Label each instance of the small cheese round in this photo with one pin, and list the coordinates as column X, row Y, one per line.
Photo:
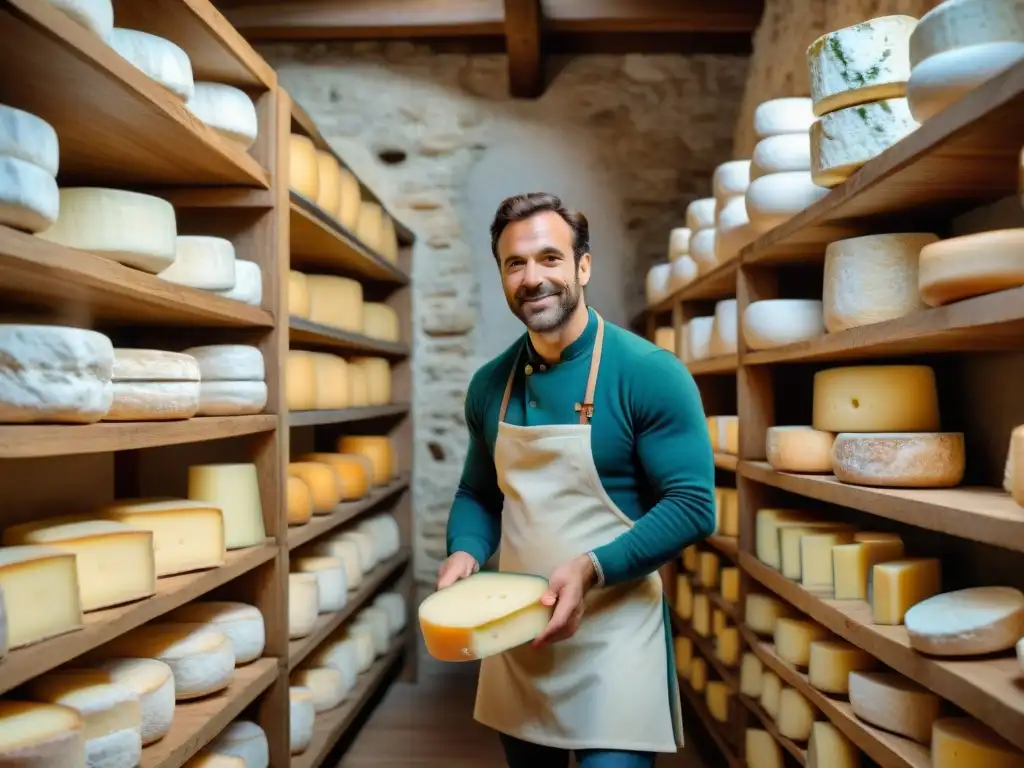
column 299, row 500
column 24, row 136
column 968, row 622
column 394, row 604
column 248, row 284
column 153, row 683
column 796, row 715
column 298, row 294
column 777, row 322
column 154, row 365
column 656, row 288
column 231, row 398
column 229, row 362
column 724, row 329
column 345, row 550
column 303, row 604
column 781, row 116
column 339, row 653
column 730, row 179
column 700, row 214
column 900, row 460
column 684, row 271
column 95, row 15
column 379, row 622
column 965, row 23
column 831, row 662
column 241, row 622
column 778, row 154
column 328, row 195
column 964, row 741
column 35, row 734
column 762, row 744
column 945, row 78
column 733, row 229
column 972, row 265
column 799, row 449
column 828, row 747
column 328, row 686
column 678, row 241
column 227, row 110
column 332, row 588
column 751, row 675
column 776, row 198
column 206, row 263
column 698, row 338
column 301, row 714
column 876, row 398
column 29, row 198
column 159, row 59
column 153, row 401
column 245, row 740
column 702, row 250
column 361, row 636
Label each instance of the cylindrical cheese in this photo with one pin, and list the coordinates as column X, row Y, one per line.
column 700, row 214
column 781, row 116
column 303, row 169
column 336, row 302
column 767, row 750
column 828, row 747
column 378, row 378
column 243, row 740
column 723, row 329
column 943, row 79
column 895, row 704
column 301, row 714
column 965, row 23
column 380, row 322
column 153, row 683
column 358, row 387
column 299, row 501
column 793, row 638
column 241, row 622
column 352, row 472
column 968, row 622
column 678, row 243
column 751, row 674
column 298, row 294
column 328, row 195
column 973, row 265
column 656, row 285
column 206, row 263
column 698, row 338
column 831, row 662
column 378, row 449
column 776, row 198
column 300, row 381
column 303, row 604
column 900, row 460
column 235, row 489
column 702, row 249
column 799, row 449
column 322, row 482
column 771, row 687
column 778, row 322
column 778, row 154
column 683, row 272
column 796, row 715
column 964, row 741
column 876, row 398
column 328, row 686
column 730, row 179
column 331, row 585
column 351, row 200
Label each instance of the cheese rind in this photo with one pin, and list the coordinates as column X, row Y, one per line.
column 762, row 613
column 898, row 585
column 751, row 673
column 301, row 715
column 972, row 265
column 698, row 338
column 153, row 682
column 852, row 564
column 828, row 747
column 231, row 398
column 761, row 749
column 299, row 500
column 777, row 322
column 800, row 449
column 234, row 488
column 153, row 365
column 781, row 116
column 352, row 472
column 876, row 398
column 25, row 136
column 303, row 604
column 229, row 362
column 31, row 576
column 945, row 78
column 227, row 110
column 242, row 739
column 831, row 662
column 900, row 460
column 793, row 638
column 159, row 59
column 29, row 197
column 963, row 24
column 45, row 735
column 964, row 741
column 153, row 400
column 733, row 229
column 700, row 214
column 776, row 198
column 893, row 703
column 778, row 154
column 205, row 263
column 248, row 284
column 240, row 622
column 968, row 622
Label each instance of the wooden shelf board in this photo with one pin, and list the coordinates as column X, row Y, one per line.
column 116, row 125
column 197, row 723
column 886, row 749
column 726, row 461
column 346, row 415
column 37, row 272
column 301, row 331
column 343, row 513
column 720, row 283
column 964, row 156
column 799, row 753
column 729, row 609
column 988, row 689
column 330, row 726
column 714, row 365
column 326, row 623
column 727, row 545
column 103, row 626
column 319, row 242
column 712, row 726
column 988, row 515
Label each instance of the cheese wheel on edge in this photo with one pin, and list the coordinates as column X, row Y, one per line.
column 893, row 703
column 781, row 116
column 41, row 734
column 241, row 622
column 153, row 683
column 160, row 60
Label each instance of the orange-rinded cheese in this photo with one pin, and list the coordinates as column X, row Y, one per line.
column 336, row 302
column 300, row 501
column 369, row 224
column 300, row 381
column 378, row 449
column 351, row 200
column 358, row 386
column 330, row 372
column 303, row 173
column 483, row 615
column 322, row 481
column 352, row 471
column 378, row 378
column 328, row 194
column 380, row 321
column 298, row 294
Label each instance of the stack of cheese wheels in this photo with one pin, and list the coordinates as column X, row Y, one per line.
column 957, row 46
column 665, row 337
column 971, row 265
column 683, row 269
column 697, row 339
column 723, row 329
column 780, row 178
column 240, row 622
column 159, row 59
column 329, row 686
column 353, row 473
column 318, row 176
column 233, row 379
column 227, row 110
column 656, row 287
column 732, row 226
column 154, row 385
column 347, row 550
column 700, row 220
column 234, row 488
column 777, row 322
column 378, row 449
column 331, row 582
column 206, row 263
column 859, row 84
column 380, row 322
column 887, row 419
column 29, row 159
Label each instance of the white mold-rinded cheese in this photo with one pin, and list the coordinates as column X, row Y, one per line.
column 751, row 673
column 867, row 62
column 328, row 686
column 733, row 229
column 968, row 622
column 241, row 622
column 243, row 739
column 900, row 460
column 388, row 532
column 301, row 714
column 832, row 661
column 111, row 713
column 54, row 374
column 207, row 263
column 33, row 576
column 229, row 362
column 393, row 603
column 761, row 749
column 29, row 198
column 730, row 179
column 793, row 638
column 130, row 228
column 340, row 653
column 841, row 142
column 37, row 735
column 776, row 198
column 964, row 741
column 771, row 687
column 872, row 279
column 698, row 338
column 95, row 15
column 153, row 365
column 972, row 265
column 153, row 401
column 345, row 550
column 303, row 604
column 227, row 110
column 159, row 59
column 153, row 682
column 876, row 398
column 702, row 249
column 762, row 613
column 683, row 272
column 24, row 136
column 966, row 23
column 945, row 78
column 678, row 238
column 378, row 620
column 700, row 214
column 303, row 168
column 796, row 715
column 829, row 748
column 799, row 449
column 724, row 328
column 778, row 154
column 235, row 489
column 328, row 195
column 332, row 587
column 248, row 284
column 781, row 116
column 231, row 398
column 777, row 322
column 362, row 640
column 656, row 288
column 893, row 703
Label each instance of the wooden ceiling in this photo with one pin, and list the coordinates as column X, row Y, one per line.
column 526, row 29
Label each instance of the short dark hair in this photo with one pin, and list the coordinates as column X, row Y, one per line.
column 520, row 207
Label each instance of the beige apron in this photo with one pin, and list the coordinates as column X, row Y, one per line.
column 607, row 687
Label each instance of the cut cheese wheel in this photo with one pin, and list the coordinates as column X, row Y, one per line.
column 322, row 481
column 154, row 365
column 872, row 279
column 799, row 449
column 763, row 612
column 762, row 751
column 153, row 682
column 781, row 116
column 229, row 362
column 832, row 661
column 328, row 195
column 328, row 686
column 771, row 687
column 336, row 302
column 303, row 168
column 900, row 460
column 248, row 284
column 378, row 378
column 301, row 714
column 231, row 398
column 876, row 398
column 829, row 748
column 796, row 715
column 943, row 79
column 698, row 338
column 700, row 214
column 657, row 282
column 816, row 558
column 244, row 740
column 973, row 265
column 730, row 179
column 843, row 141
column 482, row 615
column 777, row 322
column 43, row 735
column 718, row 697
column 852, row 565
column 115, row 562
column 868, row 62
column 299, row 500
column 153, row 400
column 964, row 741
column 34, row 576
column 898, row 585
column 351, row 200
column 303, row 604
column 678, row 238
column 965, row 23
column 793, row 638
column 29, row 198
column 380, row 322
column 187, row 535
column 684, row 271
column 778, row 154
column 241, row 622
column 724, row 329
column 791, row 536
column 968, row 622
column 95, row 15
column 235, row 489
column 683, row 653
column 698, row 674
column 767, row 523
column 893, row 703
column 776, row 198
column 332, row 587
column 201, row 657
column 352, row 472
column 340, row 653
column 159, row 59
column 227, row 110
column 24, row 136
column 378, row 449
column 751, row 672
column 130, row 228
column 300, row 381
column 298, row 294
column 703, row 249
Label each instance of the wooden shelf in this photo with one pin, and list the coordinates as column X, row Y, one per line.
column 712, row 726
column 346, row 415
column 705, row 647
column 980, row 514
column 987, row 689
column 103, row 626
column 729, row 609
column 726, row 545
column 714, row 366
column 726, row 461
column 306, row 333
column 344, row 513
column 799, row 754
column 720, row 283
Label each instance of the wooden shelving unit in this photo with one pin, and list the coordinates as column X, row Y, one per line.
column 963, row 158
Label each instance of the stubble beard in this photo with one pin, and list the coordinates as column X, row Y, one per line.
column 553, row 317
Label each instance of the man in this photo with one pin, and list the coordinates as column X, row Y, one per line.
column 594, row 481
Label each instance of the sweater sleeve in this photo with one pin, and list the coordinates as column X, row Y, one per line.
column 674, row 452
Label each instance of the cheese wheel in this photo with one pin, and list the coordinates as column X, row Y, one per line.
column 333, row 390
column 730, row 179
column 963, row 24
column 657, row 282
column 336, row 302
column 207, row 759
column 771, row 688
column 29, row 198
column 95, row 15
column 393, row 604
column 702, row 249
column 683, row 272
column 229, row 362
column 793, row 638
column 678, row 239
column 876, row 398
column 893, row 703
column 384, row 531
column 700, row 214
column 781, row 116
column 761, row 749
column 377, row 619
column 799, row 449
column 733, row 230
column 328, row 686
column 339, row 653
column 227, row 110
column 154, row 365
column 358, row 387
column 159, row 59
column 778, row 322
column 328, row 195
column 347, row 552
column 364, row 543
column 153, row 400
column 301, row 714
column 683, row 653
column 231, row 398
column 368, row 224
column 243, row 740
column 388, row 239
column 832, row 661
column 972, row 265
column 240, row 622
column 960, row 741
column 778, row 154
column 378, row 449
column 153, row 682
column 762, row 613
column 235, row 489
column 45, row 735
column 299, row 501
column 776, row 198
column 724, row 328
column 351, row 200
column 300, row 381
column 303, row 604
column 829, row 748
column 298, row 294
column 751, row 672
column 380, row 322
column 900, row 460
column 796, row 715
column 322, row 482
column 29, row 138
column 728, row 507
column 361, row 637
column 352, row 472
column 303, row 168
column 248, row 284
column 698, row 338
column 331, row 586
column 968, row 622
column 943, row 79
column 378, row 378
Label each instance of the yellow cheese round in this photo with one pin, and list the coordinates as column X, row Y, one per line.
column 718, row 696
column 369, row 223
column 761, row 749
column 829, row 748
column 900, row 460
column 698, row 674
column 352, row 471
column 358, row 386
column 351, row 200
column 298, row 295
column 378, row 449
column 380, row 322
column 388, row 239
column 300, row 381
column 303, row 169
column 799, row 449
column 973, row 265
column 771, row 687
column 751, row 675
column 336, row 302
column 876, row 398
column 958, row 742
column 299, row 501
column 330, row 372
column 832, row 661
column 683, row 652
column 796, row 715
column 322, row 481
column 378, row 378
column 329, row 177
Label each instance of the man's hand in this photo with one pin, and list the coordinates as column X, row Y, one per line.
column 566, row 588
column 458, row 566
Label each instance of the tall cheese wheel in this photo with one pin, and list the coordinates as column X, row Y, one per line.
column 656, row 283
column 328, row 195
column 353, row 472
column 799, row 449
column 303, row 604
column 351, row 199
column 380, row 322
column 298, row 294
column 733, row 229
column 303, row 169
column 333, row 391
column 900, row 460
column 299, row 499
column 358, row 386
column 832, row 661
column 723, row 330
column 378, row 378
column 43, row 735
column 968, row 622
column 301, row 714
column 777, row 117
column 943, row 79
column 322, row 481
column 700, row 214
column 368, row 225
column 973, row 265
column 153, row 682
column 796, row 715
column 336, row 302
column 963, row 24
column 241, row 622
column 895, row 704
column 876, row 398
column 235, row 489
column 378, row 449
column 300, row 381
column 963, row 741
column 683, row 272
column 698, row 338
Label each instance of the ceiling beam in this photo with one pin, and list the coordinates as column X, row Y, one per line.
column 523, row 43
column 660, row 16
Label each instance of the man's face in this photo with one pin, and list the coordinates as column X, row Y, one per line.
column 541, row 281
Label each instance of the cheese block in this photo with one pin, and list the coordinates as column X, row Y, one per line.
column 781, row 116
column 248, row 284
column 843, row 141
column 898, row 585
column 235, row 489
column 771, row 688
column 751, row 674
column 328, row 686
column 358, row 387
column 303, row 604
column 761, row 750
column 333, row 390
column 698, row 674
column 352, row 472
column 698, row 338
column 227, row 110
column 378, row 378
column 777, row 322
column 332, row 588
column 298, row 294
column 730, row 179
column 154, row 365
column 796, row 715
column 852, row 564
column 889, row 701
column 964, row 741
column 298, row 500
column 963, row 24
column 829, row 748
column 876, row 398
column 700, row 214
column 301, row 714
column 380, row 322
column 27, row 137
column 656, row 284
column 872, row 279
column 153, row 682
column 393, row 604
column 701, row 614
column 95, row 15
column 159, row 59
column 115, row 561
column 328, row 194
column 733, row 229
column 832, row 661
column 868, row 62
column 300, row 381
column 730, row 584
column 231, row 398
column 241, row 622
column 766, row 536
column 968, row 622
column 708, row 570
column 684, row 597
column 54, row 374
column 303, row 167
column 816, row 558
column 727, row 646
column 943, row 79
column 483, row 615
column 187, row 535
column 678, row 238
column 336, row 302
column 729, row 507
column 777, row 197
column 44, row 735
column 683, row 653
column 153, row 400
column 229, row 362
column 378, row 449
column 351, row 200
column 322, row 481
column 378, row 621
column 29, row 197
column 972, row 265
column 94, row 219
column 718, row 697
column 34, row 576
column 900, row 460
column 724, row 329
column 791, row 536
column 368, row 224
column 799, row 449
column 778, row 154
column 201, row 657
column 340, row 653
column 703, row 247
column 793, row 638
column 244, row 740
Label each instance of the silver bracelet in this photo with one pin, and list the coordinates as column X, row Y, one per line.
column 597, row 569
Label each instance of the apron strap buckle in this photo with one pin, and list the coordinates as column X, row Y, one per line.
column 587, row 410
